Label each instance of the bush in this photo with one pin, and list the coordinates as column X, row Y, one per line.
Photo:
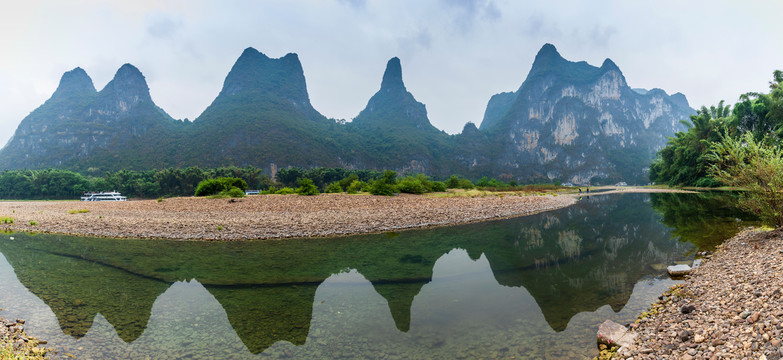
column 438, row 186
column 234, row 192
column 384, row 186
column 270, row 190
column 755, row 167
column 457, row 182
column 411, row 186
column 306, row 187
column 355, row 186
column 285, row 191
column 347, row 181
column 215, row 186
column 334, row 188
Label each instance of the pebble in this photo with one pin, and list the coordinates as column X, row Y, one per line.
column 737, row 290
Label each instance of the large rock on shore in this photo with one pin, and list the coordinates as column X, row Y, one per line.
column 613, row 334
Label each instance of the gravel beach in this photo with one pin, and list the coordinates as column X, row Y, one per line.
column 266, row 216
column 731, row 307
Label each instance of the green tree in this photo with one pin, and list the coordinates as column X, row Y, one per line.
column 307, row 187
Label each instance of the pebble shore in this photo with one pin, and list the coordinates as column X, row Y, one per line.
column 14, row 343
column 266, row 216
column 730, row 307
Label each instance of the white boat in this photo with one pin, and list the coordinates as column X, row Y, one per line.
column 103, row 196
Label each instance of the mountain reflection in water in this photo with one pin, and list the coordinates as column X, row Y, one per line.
column 534, row 286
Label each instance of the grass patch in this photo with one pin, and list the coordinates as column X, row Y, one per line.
column 33, row 222
column 78, row 211
column 6, row 220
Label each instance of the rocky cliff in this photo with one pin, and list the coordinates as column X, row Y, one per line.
column 574, row 122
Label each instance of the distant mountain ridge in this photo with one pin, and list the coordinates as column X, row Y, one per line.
column 568, row 121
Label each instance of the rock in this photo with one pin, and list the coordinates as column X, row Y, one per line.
column 613, row 334
column 683, row 335
column 679, row 270
column 696, row 263
column 745, row 314
column 687, row 309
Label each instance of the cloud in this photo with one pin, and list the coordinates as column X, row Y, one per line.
column 466, row 12
column 356, row 4
column 162, row 25
column 409, row 46
column 600, row 35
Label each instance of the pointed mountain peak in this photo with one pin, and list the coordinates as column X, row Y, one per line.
column 130, row 72
column 392, row 77
column 470, row 129
column 547, row 54
column 251, row 54
column 609, row 65
column 74, row 82
column 129, row 84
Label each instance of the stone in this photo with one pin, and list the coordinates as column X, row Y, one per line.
column 687, row 309
column 683, row 335
column 679, row 270
column 613, row 334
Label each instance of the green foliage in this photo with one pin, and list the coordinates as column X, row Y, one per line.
column 234, row 192
column 687, row 158
column 384, row 186
column 334, row 188
column 458, row 182
column 756, row 167
column 411, row 185
column 78, row 211
column 33, row 222
column 355, row 186
column 286, row 191
column 6, row 220
column 438, row 186
column 306, row 187
column 219, row 185
column 346, row 181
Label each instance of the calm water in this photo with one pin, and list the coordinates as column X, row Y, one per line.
column 532, row 287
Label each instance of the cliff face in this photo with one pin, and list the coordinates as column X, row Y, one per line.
column 579, row 123
column 568, row 121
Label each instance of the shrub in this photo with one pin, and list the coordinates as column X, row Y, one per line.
column 234, row 192
column 285, row 191
column 438, row 186
column 215, row 186
column 756, row 167
column 465, row 184
column 270, row 190
column 411, row 186
column 334, row 188
column 347, row 181
column 6, row 220
column 385, row 185
column 306, row 187
column 457, row 182
column 355, row 186
column 33, row 222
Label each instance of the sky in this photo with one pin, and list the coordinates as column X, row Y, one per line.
column 455, row 54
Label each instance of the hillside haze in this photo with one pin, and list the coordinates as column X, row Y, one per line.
column 568, row 121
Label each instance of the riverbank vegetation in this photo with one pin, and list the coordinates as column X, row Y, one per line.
column 740, row 147
column 54, row 184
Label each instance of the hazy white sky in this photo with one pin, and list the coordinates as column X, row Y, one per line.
column 455, row 53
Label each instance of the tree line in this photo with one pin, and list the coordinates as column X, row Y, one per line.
column 170, row 182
